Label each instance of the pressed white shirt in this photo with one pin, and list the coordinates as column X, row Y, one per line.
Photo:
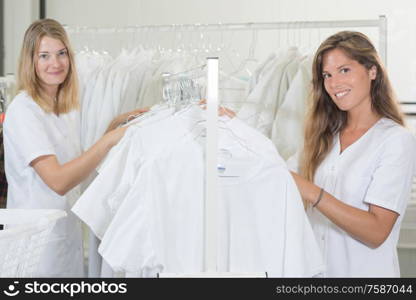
column 377, row 169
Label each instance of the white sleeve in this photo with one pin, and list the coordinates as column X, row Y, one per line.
column 391, row 182
column 26, row 134
column 293, row 162
column 303, row 257
column 95, row 206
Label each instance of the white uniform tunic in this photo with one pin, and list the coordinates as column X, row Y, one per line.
column 29, row 133
column 376, row 169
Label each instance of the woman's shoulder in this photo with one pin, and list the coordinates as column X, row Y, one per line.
column 22, row 108
column 22, row 101
column 394, row 134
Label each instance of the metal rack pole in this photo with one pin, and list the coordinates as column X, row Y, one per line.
column 211, row 176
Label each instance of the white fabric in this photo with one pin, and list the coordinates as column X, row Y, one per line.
column 260, row 71
column 260, row 89
column 232, row 92
column 376, row 169
column 29, row 132
column 114, row 179
column 266, row 97
column 133, row 79
column 287, row 132
column 153, row 221
column 87, row 102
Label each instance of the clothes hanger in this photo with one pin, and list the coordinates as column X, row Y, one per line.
column 244, row 70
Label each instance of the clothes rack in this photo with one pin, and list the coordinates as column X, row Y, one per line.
column 212, row 91
column 380, row 24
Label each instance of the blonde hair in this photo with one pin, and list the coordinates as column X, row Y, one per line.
column 29, row 81
column 324, row 119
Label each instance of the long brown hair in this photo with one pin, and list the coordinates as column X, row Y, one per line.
column 324, row 119
column 28, row 80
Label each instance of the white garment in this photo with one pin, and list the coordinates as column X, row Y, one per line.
column 263, row 102
column 114, row 178
column 287, row 132
column 232, row 92
column 376, row 169
column 260, row 71
column 93, row 114
column 29, row 133
column 87, row 103
column 157, row 209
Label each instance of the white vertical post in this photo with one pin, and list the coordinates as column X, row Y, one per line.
column 211, row 177
column 383, row 39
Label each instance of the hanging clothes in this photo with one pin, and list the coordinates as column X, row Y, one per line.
column 149, row 209
column 267, row 95
column 288, row 125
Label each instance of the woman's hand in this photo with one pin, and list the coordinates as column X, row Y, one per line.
column 371, row 226
column 221, row 109
column 121, row 119
column 114, row 136
column 63, row 177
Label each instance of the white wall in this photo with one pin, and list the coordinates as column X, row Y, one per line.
column 401, row 61
column 17, row 17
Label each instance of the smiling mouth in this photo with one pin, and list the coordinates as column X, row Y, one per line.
column 56, row 73
column 342, row 94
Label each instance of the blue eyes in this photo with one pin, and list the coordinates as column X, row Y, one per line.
column 46, row 56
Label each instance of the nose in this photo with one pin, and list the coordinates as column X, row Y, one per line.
column 55, row 61
column 334, row 81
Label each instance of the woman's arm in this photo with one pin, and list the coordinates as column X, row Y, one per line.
column 117, row 121
column 371, row 227
column 62, row 178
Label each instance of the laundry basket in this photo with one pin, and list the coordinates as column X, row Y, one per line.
column 24, row 238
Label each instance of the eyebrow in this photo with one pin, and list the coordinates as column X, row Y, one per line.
column 339, row 67
column 342, row 66
column 56, row 51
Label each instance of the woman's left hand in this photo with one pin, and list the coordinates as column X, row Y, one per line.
column 123, row 118
column 221, row 109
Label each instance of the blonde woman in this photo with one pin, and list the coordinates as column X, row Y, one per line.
column 43, row 160
column 358, row 160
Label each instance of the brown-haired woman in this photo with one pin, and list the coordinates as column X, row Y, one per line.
column 43, row 158
column 357, row 162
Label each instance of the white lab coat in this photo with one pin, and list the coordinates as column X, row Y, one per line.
column 29, row 133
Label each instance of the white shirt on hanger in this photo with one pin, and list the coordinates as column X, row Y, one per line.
column 115, row 176
column 157, row 225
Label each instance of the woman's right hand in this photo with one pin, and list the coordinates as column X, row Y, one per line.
column 115, row 135
column 123, row 118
